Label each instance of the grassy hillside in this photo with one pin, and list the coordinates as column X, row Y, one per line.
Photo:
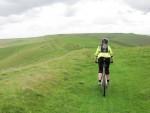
column 57, row 74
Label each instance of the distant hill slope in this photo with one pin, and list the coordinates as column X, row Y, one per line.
column 130, row 39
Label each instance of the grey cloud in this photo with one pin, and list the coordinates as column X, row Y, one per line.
column 143, row 5
column 9, row 7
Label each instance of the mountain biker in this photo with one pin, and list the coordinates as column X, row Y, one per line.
column 103, row 51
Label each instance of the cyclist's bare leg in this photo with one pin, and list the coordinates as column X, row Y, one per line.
column 107, row 76
column 99, row 76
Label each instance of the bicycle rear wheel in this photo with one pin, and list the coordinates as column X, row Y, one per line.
column 104, row 85
column 104, row 82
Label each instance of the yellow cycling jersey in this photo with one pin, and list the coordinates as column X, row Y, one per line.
column 99, row 54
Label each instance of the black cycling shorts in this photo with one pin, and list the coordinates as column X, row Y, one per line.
column 101, row 62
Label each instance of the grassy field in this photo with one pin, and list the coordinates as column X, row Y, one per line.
column 57, row 74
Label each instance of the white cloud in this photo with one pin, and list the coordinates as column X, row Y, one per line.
column 84, row 16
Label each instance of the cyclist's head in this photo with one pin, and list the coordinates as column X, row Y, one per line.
column 104, row 41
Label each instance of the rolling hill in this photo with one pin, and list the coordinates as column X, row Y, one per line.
column 57, row 74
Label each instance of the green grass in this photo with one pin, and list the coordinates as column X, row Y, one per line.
column 57, row 74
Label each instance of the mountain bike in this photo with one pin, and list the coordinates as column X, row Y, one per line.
column 104, row 84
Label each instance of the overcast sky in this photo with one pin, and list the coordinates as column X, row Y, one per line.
column 25, row 18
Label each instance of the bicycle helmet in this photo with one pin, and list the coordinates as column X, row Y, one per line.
column 104, row 41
